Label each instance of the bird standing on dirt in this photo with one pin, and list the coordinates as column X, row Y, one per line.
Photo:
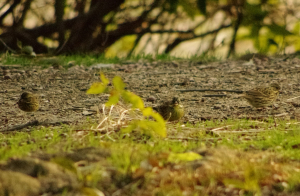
column 261, row 97
column 28, row 102
column 171, row 111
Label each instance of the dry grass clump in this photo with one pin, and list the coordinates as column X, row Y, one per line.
column 115, row 117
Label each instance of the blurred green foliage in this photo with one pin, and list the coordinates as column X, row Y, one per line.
column 154, row 27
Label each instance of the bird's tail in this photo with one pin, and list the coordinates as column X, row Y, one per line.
column 238, row 96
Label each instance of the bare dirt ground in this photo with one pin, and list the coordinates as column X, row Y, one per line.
column 63, row 95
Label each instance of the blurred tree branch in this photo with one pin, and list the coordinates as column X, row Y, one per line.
column 9, row 10
column 190, row 35
column 239, row 7
column 128, row 28
column 59, row 14
column 81, row 33
column 96, row 25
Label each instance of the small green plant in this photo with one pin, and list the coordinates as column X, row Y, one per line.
column 118, row 91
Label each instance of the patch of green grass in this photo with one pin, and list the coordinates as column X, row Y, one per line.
column 14, row 60
column 283, row 138
column 88, row 60
column 205, row 58
column 129, row 151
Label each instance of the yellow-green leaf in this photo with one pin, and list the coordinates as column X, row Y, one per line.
column 153, row 127
column 113, row 100
column 132, row 98
column 183, row 157
column 160, row 122
column 149, row 112
column 118, row 83
column 97, row 88
column 148, row 127
column 103, row 78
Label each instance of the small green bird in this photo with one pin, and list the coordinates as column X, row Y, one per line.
column 28, row 102
column 28, row 51
column 260, row 97
column 171, row 111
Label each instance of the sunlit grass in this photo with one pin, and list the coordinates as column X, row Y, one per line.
column 88, row 59
column 128, row 151
column 283, row 138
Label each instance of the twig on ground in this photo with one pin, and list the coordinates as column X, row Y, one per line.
column 220, row 128
column 292, row 98
column 263, row 117
column 107, row 135
column 192, row 139
column 104, row 120
column 34, row 123
column 246, row 131
column 122, row 116
column 213, row 90
column 214, row 95
column 282, row 114
column 112, row 123
column 110, row 110
column 255, row 121
column 296, row 123
column 214, row 131
column 6, row 46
